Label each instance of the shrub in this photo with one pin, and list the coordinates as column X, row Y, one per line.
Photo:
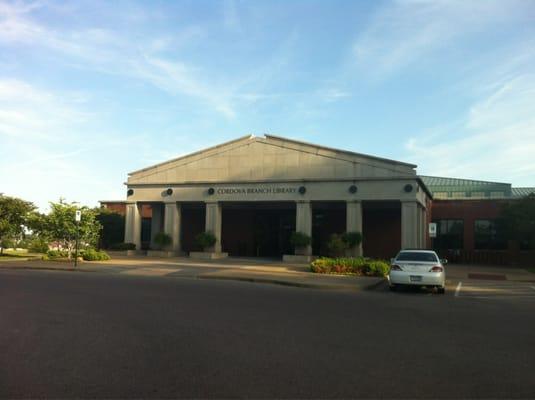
column 336, row 245
column 162, row 239
column 352, row 265
column 38, row 245
column 205, row 240
column 352, row 239
column 51, row 254
column 123, row 246
column 378, row 268
column 299, row 239
column 7, row 243
column 94, row 255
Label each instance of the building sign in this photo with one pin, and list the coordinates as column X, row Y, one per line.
column 257, row 190
column 432, row 229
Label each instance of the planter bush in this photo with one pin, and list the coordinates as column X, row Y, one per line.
column 95, row 255
column 163, row 240
column 205, row 240
column 352, row 239
column 336, row 245
column 299, row 239
column 350, row 265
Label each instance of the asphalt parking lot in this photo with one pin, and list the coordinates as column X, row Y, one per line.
column 68, row 334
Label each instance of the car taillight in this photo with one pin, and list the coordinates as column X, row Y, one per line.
column 436, row 268
column 395, row 268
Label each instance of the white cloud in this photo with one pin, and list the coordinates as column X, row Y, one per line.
column 497, row 138
column 405, row 32
column 115, row 53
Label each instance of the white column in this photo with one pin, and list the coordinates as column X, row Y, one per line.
column 155, row 223
column 213, row 224
column 423, row 230
column 132, row 227
column 172, row 222
column 409, row 224
column 354, row 223
column 303, row 221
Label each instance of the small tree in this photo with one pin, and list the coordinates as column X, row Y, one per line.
column 112, row 227
column 13, row 217
column 205, row 240
column 300, row 241
column 163, row 240
column 337, row 245
column 59, row 225
column 352, row 239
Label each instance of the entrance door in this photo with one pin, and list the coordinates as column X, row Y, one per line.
column 257, row 229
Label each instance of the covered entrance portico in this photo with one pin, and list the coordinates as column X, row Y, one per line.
column 253, row 193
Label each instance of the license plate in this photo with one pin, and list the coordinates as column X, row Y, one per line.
column 416, row 278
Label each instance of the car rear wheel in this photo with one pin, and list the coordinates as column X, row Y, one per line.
column 441, row 290
column 393, row 288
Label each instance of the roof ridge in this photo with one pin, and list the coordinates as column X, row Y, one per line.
column 284, row 139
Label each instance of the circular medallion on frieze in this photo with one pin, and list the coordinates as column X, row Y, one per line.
column 302, row 189
column 353, row 189
column 130, row 192
column 169, row 191
column 408, row 188
column 211, row 191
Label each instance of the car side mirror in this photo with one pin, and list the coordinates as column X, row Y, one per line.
column 444, row 261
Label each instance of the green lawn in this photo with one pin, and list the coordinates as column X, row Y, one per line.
column 17, row 254
column 531, row 269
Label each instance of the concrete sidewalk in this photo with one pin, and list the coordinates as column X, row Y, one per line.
column 248, row 270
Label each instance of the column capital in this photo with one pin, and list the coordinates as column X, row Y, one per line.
column 302, row 201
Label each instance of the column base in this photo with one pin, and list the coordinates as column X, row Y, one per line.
column 298, row 258
column 136, row 252
column 207, row 255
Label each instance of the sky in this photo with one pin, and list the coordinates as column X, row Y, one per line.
column 93, row 90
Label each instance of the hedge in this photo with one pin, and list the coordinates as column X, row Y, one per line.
column 95, row 255
column 350, row 265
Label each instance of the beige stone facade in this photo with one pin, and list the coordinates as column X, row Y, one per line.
column 274, row 170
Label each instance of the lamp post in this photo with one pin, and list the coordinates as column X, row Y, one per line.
column 77, row 219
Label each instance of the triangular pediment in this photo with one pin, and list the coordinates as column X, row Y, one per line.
column 269, row 158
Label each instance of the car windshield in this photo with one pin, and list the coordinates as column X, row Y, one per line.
column 416, row 256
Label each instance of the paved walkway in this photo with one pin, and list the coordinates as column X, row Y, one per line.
column 240, row 269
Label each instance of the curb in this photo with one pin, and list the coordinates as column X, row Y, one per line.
column 354, row 288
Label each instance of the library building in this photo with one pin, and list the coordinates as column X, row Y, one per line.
column 251, row 194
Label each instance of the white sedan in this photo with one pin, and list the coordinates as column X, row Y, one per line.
column 418, row 267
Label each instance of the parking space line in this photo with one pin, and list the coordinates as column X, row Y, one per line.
column 458, row 289
column 533, row 287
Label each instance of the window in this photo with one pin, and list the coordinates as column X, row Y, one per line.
column 488, row 235
column 440, row 195
column 417, row 256
column 478, row 194
column 498, row 195
column 458, row 195
column 450, row 234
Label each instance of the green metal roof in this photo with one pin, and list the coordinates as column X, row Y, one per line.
column 454, row 188
column 522, row 191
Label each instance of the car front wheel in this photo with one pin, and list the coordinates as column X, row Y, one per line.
column 441, row 290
